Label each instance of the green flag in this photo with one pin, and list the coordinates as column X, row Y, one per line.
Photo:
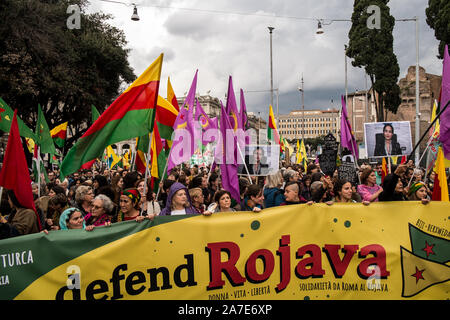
column 94, row 113
column 6, row 115
column 42, row 169
column 428, row 246
column 43, row 137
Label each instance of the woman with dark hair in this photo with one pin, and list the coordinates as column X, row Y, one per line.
column 98, row 182
column 56, row 206
column 222, row 203
column 213, row 185
column 418, row 192
column 148, row 202
column 54, row 189
column 343, row 191
column 386, row 144
column 21, row 221
column 130, row 200
column 368, row 189
column 393, row 186
column 253, row 199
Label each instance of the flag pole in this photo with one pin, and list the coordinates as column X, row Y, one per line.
column 133, row 157
column 164, row 172
column 146, row 170
column 243, row 160
column 427, row 130
column 38, row 164
column 416, row 166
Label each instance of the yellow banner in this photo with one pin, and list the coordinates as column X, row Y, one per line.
column 396, row 250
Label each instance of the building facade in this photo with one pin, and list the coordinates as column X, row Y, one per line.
column 309, row 124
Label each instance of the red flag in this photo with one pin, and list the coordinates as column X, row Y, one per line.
column 14, row 174
column 404, row 159
column 88, row 165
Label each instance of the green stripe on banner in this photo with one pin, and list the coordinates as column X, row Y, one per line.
column 35, row 260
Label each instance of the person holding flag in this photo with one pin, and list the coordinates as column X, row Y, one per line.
column 14, row 176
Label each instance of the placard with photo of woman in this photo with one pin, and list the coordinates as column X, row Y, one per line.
column 385, row 139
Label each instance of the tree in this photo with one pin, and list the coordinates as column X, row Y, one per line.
column 372, row 48
column 438, row 17
column 65, row 70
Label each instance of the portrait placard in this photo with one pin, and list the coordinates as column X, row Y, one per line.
column 385, row 139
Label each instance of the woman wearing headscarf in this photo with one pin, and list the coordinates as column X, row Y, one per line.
column 130, row 200
column 418, row 192
column 71, row 218
column 178, row 201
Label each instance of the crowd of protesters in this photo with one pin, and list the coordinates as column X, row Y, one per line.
column 89, row 199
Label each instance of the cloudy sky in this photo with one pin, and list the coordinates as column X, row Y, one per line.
column 222, row 38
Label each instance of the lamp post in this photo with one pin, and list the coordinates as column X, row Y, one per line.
column 417, row 124
column 303, row 108
column 271, row 67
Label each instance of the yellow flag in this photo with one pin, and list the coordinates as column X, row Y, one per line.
column 419, row 274
column 436, row 130
column 110, row 153
column 30, row 145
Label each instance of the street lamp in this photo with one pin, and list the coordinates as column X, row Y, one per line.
column 319, row 28
column 135, row 16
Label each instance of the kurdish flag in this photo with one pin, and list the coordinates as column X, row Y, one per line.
column 141, row 151
column 166, row 114
column 171, row 97
column 158, row 158
column 6, row 115
column 58, row 134
column 130, row 115
column 272, row 132
column 440, row 189
column 43, row 136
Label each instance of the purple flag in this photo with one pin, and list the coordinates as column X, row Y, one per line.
column 183, row 146
column 228, row 170
column 231, row 108
column 243, row 112
column 347, row 139
column 205, row 124
column 445, row 97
